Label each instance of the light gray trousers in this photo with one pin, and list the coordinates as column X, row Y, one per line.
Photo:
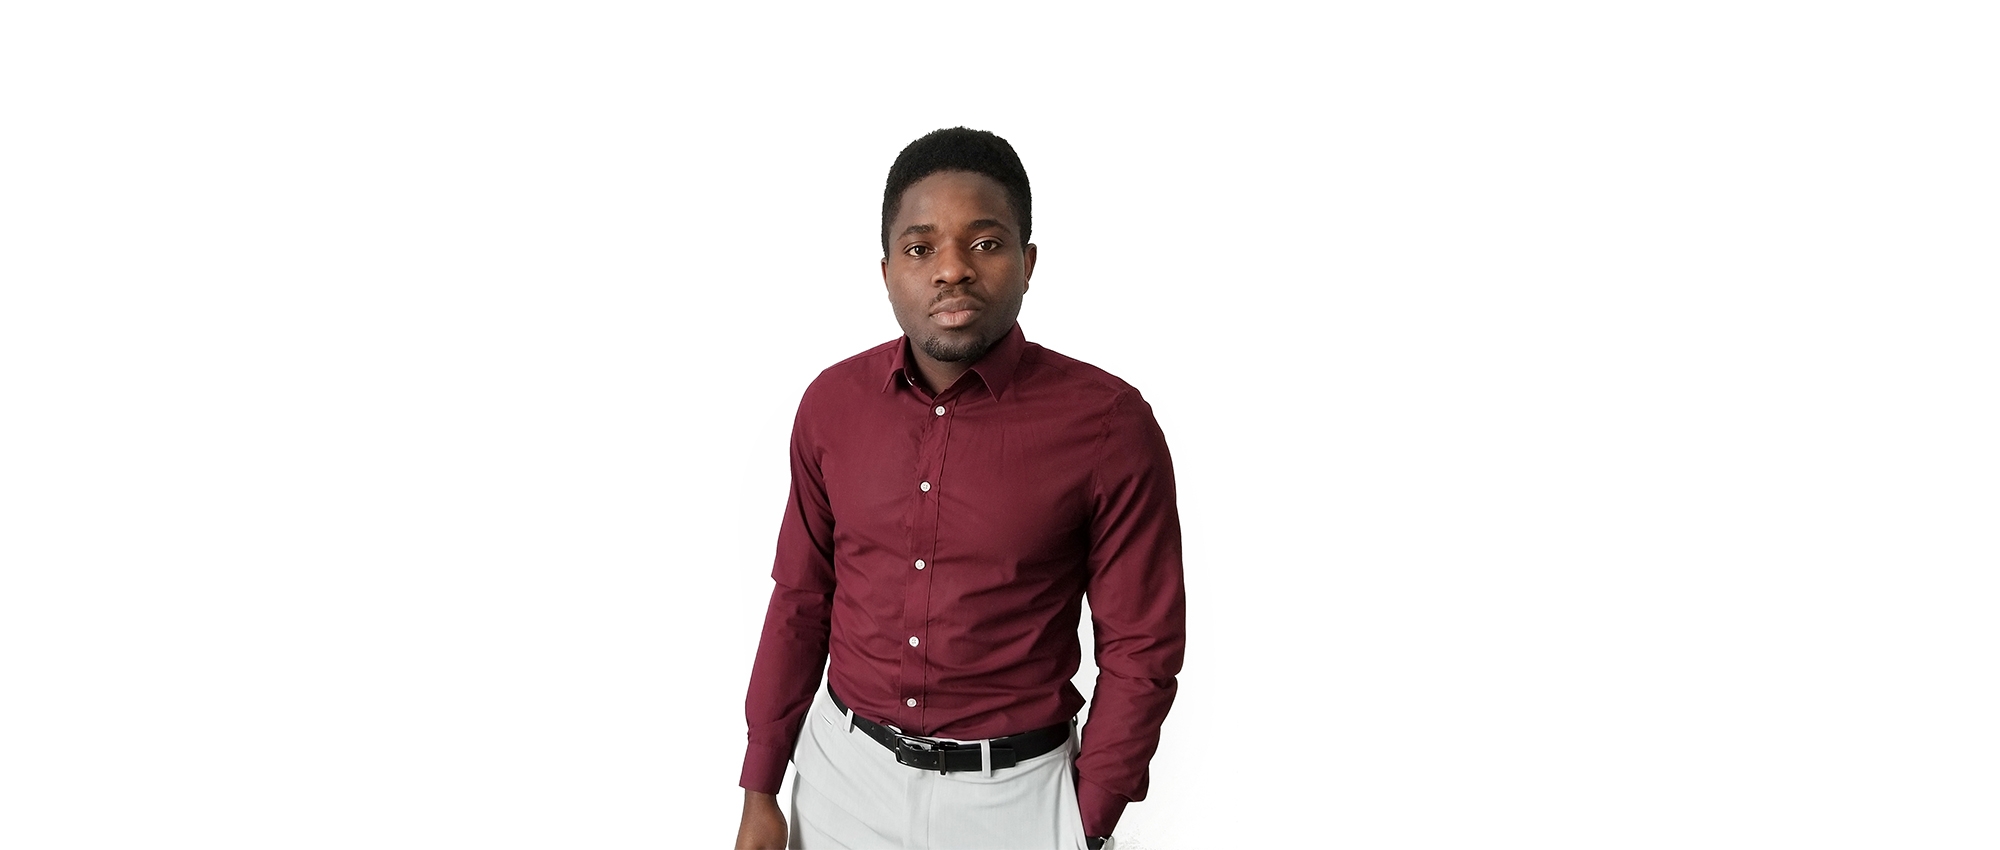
column 851, row 794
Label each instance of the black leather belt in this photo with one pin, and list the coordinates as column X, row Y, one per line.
column 956, row 756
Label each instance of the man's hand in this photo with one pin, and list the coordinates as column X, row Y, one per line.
column 763, row 823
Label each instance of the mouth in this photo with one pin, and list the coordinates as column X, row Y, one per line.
column 956, row 313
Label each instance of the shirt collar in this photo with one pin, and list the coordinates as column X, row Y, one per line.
column 995, row 368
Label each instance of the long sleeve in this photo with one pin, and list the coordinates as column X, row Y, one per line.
column 1138, row 611
column 793, row 647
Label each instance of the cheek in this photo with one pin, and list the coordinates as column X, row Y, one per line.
column 999, row 268
column 906, row 301
column 1009, row 269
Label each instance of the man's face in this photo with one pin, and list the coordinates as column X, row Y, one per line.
column 957, row 267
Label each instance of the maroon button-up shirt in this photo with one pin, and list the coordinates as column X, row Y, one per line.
column 938, row 549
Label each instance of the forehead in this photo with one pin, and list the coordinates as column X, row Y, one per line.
column 948, row 197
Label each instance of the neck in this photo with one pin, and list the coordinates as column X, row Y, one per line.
column 938, row 375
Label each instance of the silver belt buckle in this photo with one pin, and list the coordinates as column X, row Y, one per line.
column 922, row 745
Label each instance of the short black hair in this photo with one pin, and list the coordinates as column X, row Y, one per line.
column 958, row 149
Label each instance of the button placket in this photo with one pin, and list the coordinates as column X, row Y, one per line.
column 914, row 676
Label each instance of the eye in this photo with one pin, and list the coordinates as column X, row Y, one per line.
column 917, row 250
column 986, row 245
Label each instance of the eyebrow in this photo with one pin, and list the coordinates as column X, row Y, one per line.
column 980, row 224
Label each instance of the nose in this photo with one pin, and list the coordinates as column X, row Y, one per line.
column 954, row 266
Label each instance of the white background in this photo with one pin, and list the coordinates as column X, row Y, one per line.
column 1584, row 418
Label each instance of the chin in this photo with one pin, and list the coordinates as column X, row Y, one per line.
column 945, row 351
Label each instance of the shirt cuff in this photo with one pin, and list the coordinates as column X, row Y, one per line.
column 763, row 768
column 1101, row 808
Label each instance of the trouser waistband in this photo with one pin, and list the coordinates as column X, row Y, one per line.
column 959, row 756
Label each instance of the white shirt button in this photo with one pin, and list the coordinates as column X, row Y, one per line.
column 910, row 702
column 913, row 640
column 926, row 486
column 920, row 563
column 939, row 410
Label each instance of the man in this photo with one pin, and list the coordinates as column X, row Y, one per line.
column 955, row 493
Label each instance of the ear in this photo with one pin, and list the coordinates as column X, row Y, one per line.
column 885, row 272
column 1027, row 265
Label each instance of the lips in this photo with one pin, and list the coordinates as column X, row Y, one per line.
column 955, row 312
